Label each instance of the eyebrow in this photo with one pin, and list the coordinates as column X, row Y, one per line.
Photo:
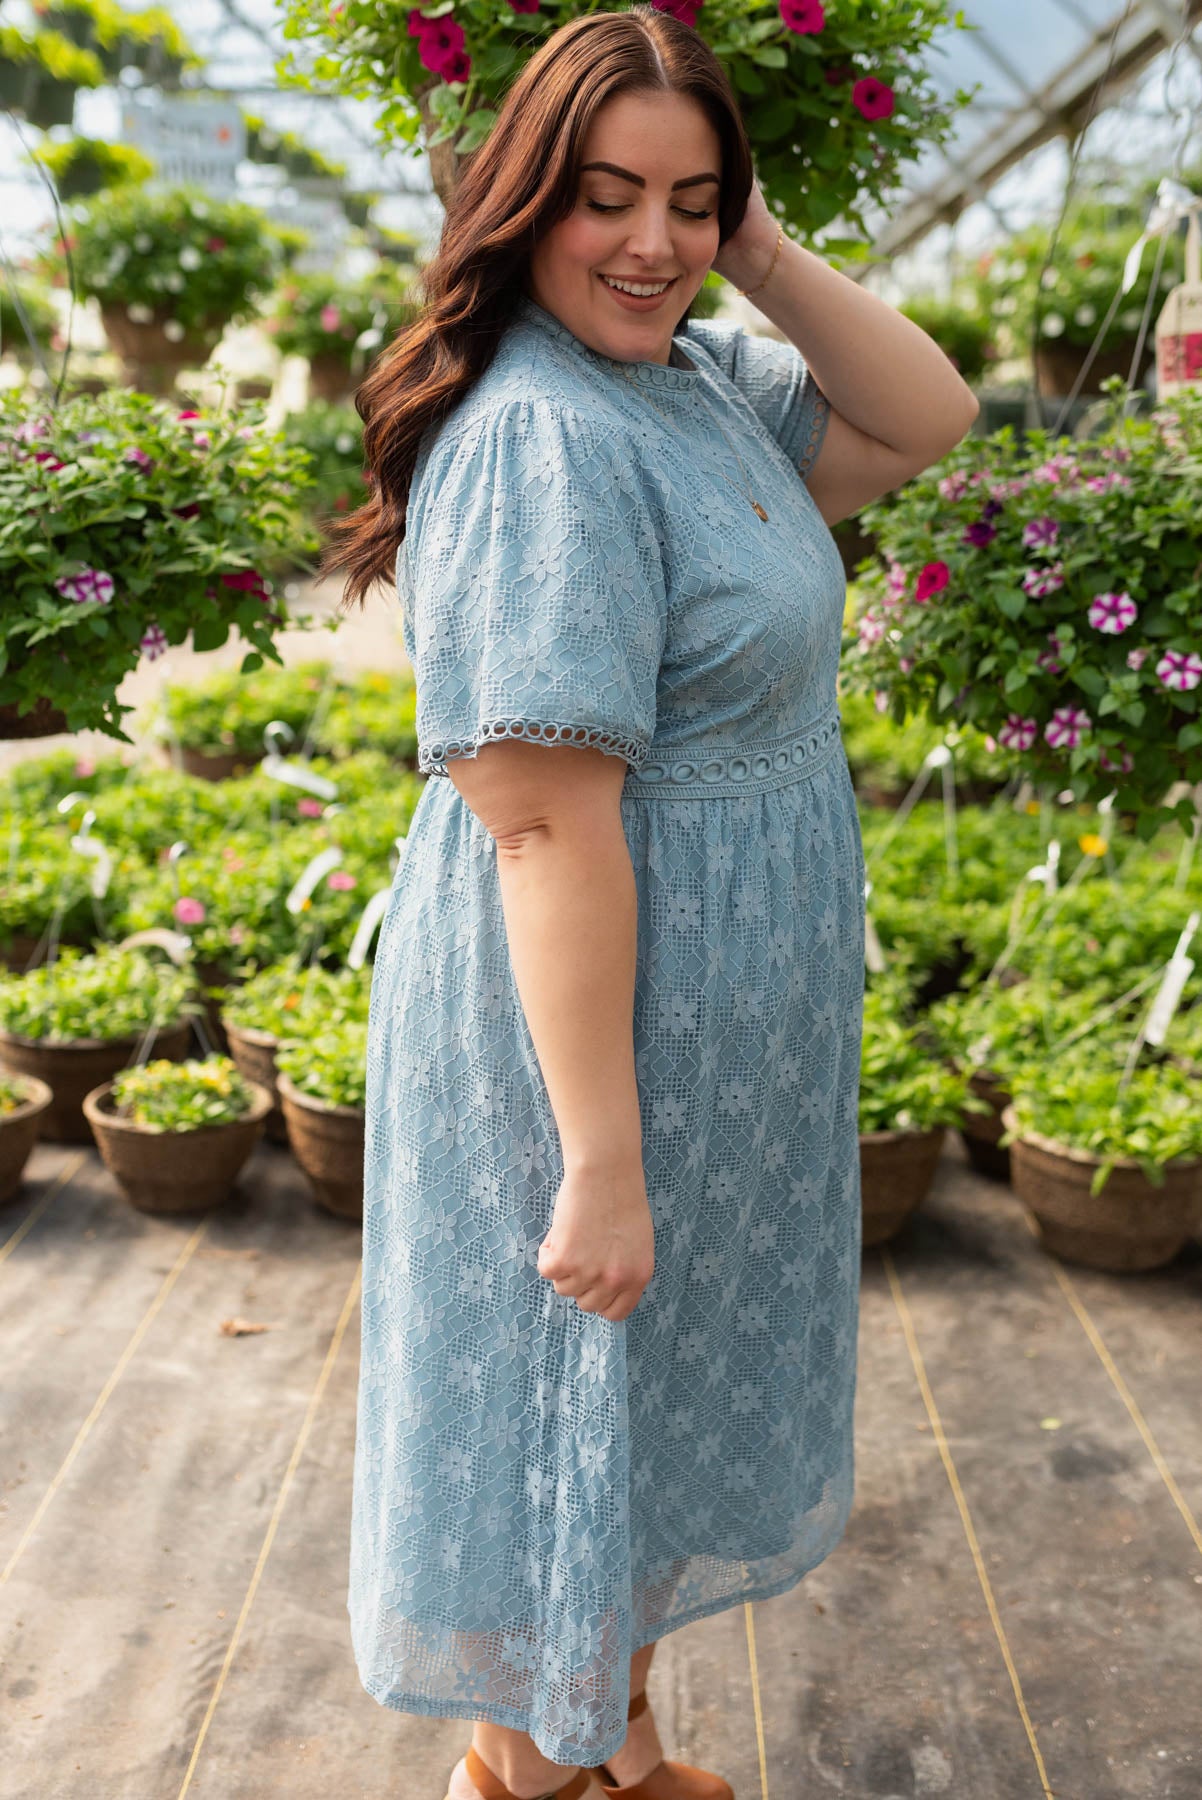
column 628, row 175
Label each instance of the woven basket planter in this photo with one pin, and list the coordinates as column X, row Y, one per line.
column 896, row 1172
column 327, row 1142
column 1129, row 1226
column 19, row 1133
column 174, row 1171
column 150, row 359
column 1058, row 365
column 253, row 1052
column 216, row 765
column 72, row 1068
column 981, row 1131
column 44, row 721
column 330, row 378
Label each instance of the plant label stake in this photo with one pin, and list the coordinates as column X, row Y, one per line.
column 940, row 757
column 1176, row 973
column 373, row 912
column 310, row 875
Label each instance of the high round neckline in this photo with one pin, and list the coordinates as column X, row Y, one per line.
column 642, row 373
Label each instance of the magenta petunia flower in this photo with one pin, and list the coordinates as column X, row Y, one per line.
column 1040, row 533
column 134, row 455
column 330, row 317
column 456, row 67
column 1044, row 581
column 1066, row 727
column 991, row 509
column 1112, row 612
column 89, row 584
column 1017, row 733
column 932, row 579
column 872, row 98
column 684, row 10
column 980, row 533
column 154, row 641
column 1180, row 669
column 248, row 580
column 417, row 22
column 439, row 41
column 1122, row 767
column 803, row 16
column 953, row 487
column 188, row 911
column 524, row 6
column 341, row 880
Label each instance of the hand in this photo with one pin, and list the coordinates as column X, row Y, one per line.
column 744, row 258
column 600, row 1249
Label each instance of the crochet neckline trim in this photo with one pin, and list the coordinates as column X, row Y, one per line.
column 646, row 374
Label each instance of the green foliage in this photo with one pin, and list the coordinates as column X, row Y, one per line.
column 819, row 158
column 228, row 711
column 177, row 511
column 107, row 993
column 332, row 436
column 892, row 755
column 323, row 314
column 327, row 1061
column 999, row 1031
column 149, row 40
column 1002, row 640
column 182, row 1096
column 902, row 1087
column 15, row 1091
column 1076, row 1100
column 84, row 165
column 288, row 998
column 39, row 310
column 47, row 53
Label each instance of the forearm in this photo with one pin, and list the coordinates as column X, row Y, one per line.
column 876, row 367
column 571, row 916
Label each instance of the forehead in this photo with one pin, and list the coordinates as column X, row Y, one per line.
column 660, row 134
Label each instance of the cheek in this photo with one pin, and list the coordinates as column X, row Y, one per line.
column 581, row 238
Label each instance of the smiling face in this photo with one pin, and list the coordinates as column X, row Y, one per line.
column 647, row 219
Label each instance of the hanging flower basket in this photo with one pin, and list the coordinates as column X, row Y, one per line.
column 71, row 1068
column 174, row 1171
column 1057, row 366
column 897, row 1169
column 46, row 720
column 19, row 1133
column 214, row 765
column 254, row 1053
column 152, row 359
column 981, row 1131
column 1130, row 1225
column 328, row 1143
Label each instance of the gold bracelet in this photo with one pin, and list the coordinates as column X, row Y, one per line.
column 759, row 284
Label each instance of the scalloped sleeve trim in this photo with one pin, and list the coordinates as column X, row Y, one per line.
column 812, row 394
column 433, row 757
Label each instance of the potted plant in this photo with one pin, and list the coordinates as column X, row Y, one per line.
column 274, row 1003
column 1047, row 595
column 40, row 73
column 24, row 1101
column 1111, row 1174
column 907, row 1101
column 162, row 520
column 47, row 894
column 321, row 1080
column 40, row 317
column 175, row 1134
column 149, row 40
column 76, row 1021
column 170, row 268
column 216, row 723
column 84, row 165
column 335, row 323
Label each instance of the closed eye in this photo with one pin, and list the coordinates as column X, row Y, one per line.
column 598, row 206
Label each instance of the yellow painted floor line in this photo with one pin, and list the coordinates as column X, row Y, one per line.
column 749, row 1617
column 331, row 1357
column 102, row 1399
column 40, row 1204
column 965, row 1516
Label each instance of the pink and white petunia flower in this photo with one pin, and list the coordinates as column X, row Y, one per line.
column 1137, row 658
column 1049, row 659
column 1066, row 727
column 1122, row 767
column 1112, row 612
column 1044, row 581
column 871, row 629
column 88, row 584
column 1017, row 733
column 953, row 487
column 154, row 642
column 1180, row 669
column 1040, row 533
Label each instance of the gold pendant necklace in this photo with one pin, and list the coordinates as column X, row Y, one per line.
column 756, row 507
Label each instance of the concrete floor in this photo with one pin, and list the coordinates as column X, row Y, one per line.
column 1015, row 1610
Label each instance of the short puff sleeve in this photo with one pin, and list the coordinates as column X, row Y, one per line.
column 532, row 585
column 773, row 378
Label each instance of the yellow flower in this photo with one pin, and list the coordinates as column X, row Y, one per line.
column 1033, row 807
column 1092, row 844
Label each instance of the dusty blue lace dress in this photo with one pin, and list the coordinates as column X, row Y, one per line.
column 539, row 1491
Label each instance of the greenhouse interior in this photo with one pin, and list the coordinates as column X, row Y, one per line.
column 949, row 931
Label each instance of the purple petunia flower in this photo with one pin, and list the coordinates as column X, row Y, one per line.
column 154, row 641
column 88, row 584
column 1040, row 533
column 1112, row 612
column 980, row 533
column 1180, row 669
column 1066, row 727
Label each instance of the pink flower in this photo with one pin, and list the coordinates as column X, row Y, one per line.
column 438, row 41
column 186, row 414
column 417, row 22
column 215, row 244
column 1047, row 658
column 89, row 584
column 331, row 318
column 905, row 664
column 1112, row 612
column 1180, row 669
column 246, row 579
column 1017, row 733
column 953, row 487
column 84, row 766
column 1044, row 581
column 880, row 699
column 341, row 880
column 933, row 578
column 188, row 911
column 898, row 583
column 310, row 809
column 154, row 641
column 456, row 67
column 684, row 10
column 1101, row 484
column 1122, row 767
column 1066, row 727
column 1039, row 534
column 134, row 455
column 803, row 16
column 871, row 629
column 237, row 934
column 1137, row 658
column 872, row 98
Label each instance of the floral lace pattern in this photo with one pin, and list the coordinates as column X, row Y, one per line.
column 539, row 1491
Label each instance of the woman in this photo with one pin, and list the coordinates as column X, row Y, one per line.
column 612, row 1208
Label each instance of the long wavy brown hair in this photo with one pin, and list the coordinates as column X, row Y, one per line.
column 519, row 184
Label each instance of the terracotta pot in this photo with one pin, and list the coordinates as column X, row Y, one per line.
column 980, row 1131
column 896, row 1172
column 254, row 1053
column 174, row 1171
column 328, row 1143
column 330, row 378
column 151, row 360
column 1129, row 1226
column 44, row 721
column 19, row 1133
column 71, row 1068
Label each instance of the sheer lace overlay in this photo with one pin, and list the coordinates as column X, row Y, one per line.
column 539, row 1491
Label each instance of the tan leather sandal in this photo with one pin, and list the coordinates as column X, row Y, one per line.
column 580, row 1786
column 667, row 1780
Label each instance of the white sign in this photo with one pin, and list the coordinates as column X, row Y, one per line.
column 189, row 138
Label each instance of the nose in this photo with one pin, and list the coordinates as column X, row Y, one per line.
column 650, row 238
